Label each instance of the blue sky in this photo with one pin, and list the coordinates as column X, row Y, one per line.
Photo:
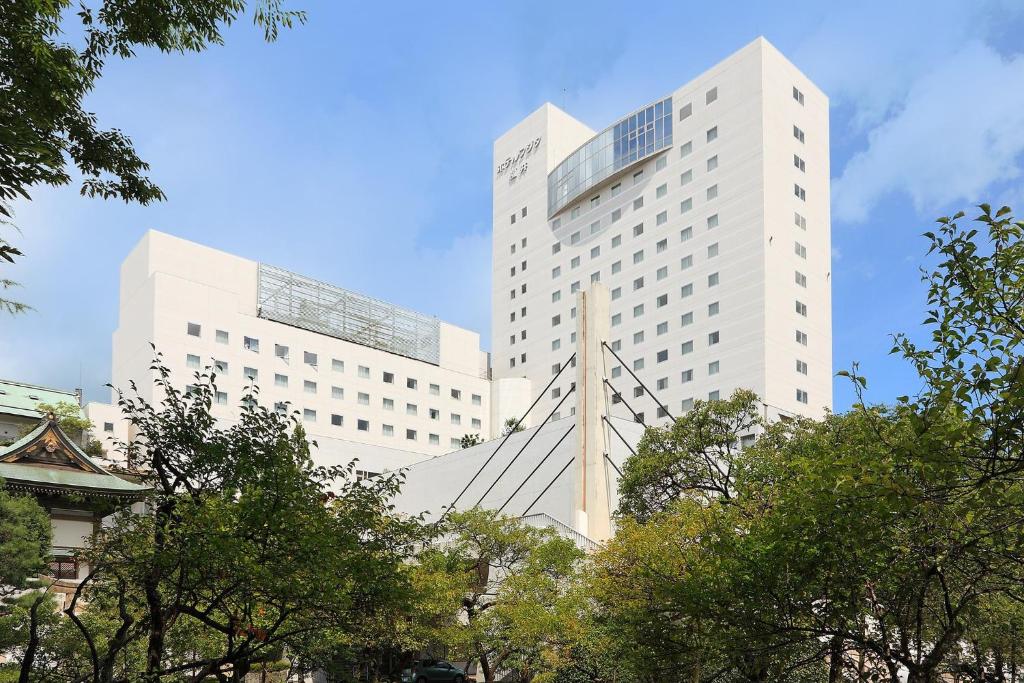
column 357, row 149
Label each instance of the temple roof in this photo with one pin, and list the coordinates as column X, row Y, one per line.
column 18, row 398
column 46, row 460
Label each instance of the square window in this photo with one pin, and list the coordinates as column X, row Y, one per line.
column 616, row 320
column 192, row 361
column 575, row 263
column 713, row 280
column 434, row 414
column 662, row 328
column 194, row 329
column 662, row 300
column 556, row 247
column 337, row 365
column 476, row 399
column 713, row 250
column 801, row 396
column 456, row 419
column 363, row 425
column 387, row 430
column 686, row 178
column 686, row 234
column 712, row 309
column 638, row 364
column 389, row 377
column 434, row 439
column 221, row 366
column 638, row 310
column 686, row 376
column 686, row 205
column 686, row 347
column 662, row 273
column 456, row 394
column 638, row 203
column 662, row 355
column 616, row 293
column 616, row 267
column 595, row 252
column 556, row 295
column 435, row 389
column 309, row 415
column 713, row 338
column 309, row 358
column 555, row 272
column 309, row 387
column 687, row 404
column 686, row 290
column 686, row 148
column 638, row 176
column 595, row 227
column 662, row 383
column 713, row 395
column 686, row 319
column 411, row 409
column 337, row 420
column 595, row 277
column 616, row 188
column 251, row 344
column 280, row 380
column 337, row 392
column 712, row 221
column 638, row 283
column 713, row 368
column 252, row 374
column 364, row 372
column 411, row 383
column 364, row 400
column 222, row 398
column 686, row 262
column 638, row 256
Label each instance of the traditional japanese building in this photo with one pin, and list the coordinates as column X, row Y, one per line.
column 73, row 488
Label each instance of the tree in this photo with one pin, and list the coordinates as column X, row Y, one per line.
column 470, row 440
column 511, row 426
column 246, row 549
column 511, row 579
column 46, row 130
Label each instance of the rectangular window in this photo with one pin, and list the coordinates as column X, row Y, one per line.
column 575, row 262
column 712, row 163
column 686, row 262
column 713, row 280
column 595, row 227
column 711, row 95
column 800, row 250
column 555, row 272
column 686, row 205
column 388, row 377
column 364, row 400
column 685, row 111
column 337, row 392
column 801, row 367
column 801, row 279
column 638, row 283
column 638, row 364
column 337, row 420
column 476, row 399
column 574, row 238
column 686, row 234
column 801, row 396
column 800, row 221
column 309, row 387
column 309, row 415
column 556, row 296
column 662, row 384
column 456, row 394
column 799, row 163
column 712, row 192
column 712, row 134
column 252, row 374
column 638, row 337
column 801, row 308
column 712, row 221
column 713, row 395
column 686, row 149
column 686, row 290
column 222, row 337
column 595, row 277
column 801, row 338
column 411, row 409
column 194, row 330
column 661, row 163
column 309, row 358
column 616, row 188
column 364, row 372
column 686, row 347
column 686, row 376
column 800, row 192
column 575, row 212
column 662, row 300
column 192, row 361
column 638, row 176
column 363, row 425
column 616, row 293
column 434, row 414
column 434, row 439
column 713, row 250
column 661, row 218
column 456, row 419
column 713, row 367
column 556, row 247
column 638, row 256
column 713, row 338
column 616, row 320
column 595, row 201
column 280, row 380
column 712, row 309
column 798, row 134
column 616, row 215
column 638, row 203
column 411, row 383
column 686, row 178
column 222, row 398
column 797, row 95
column 662, row 328
column 662, row 273
column 660, row 191
column 251, row 344
column 662, row 356
column 435, row 389
column 616, row 241
column 221, row 366
column 337, row 365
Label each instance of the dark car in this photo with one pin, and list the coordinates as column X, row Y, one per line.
column 431, row 671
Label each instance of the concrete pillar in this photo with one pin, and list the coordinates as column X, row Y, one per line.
column 593, row 513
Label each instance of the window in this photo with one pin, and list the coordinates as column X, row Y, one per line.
column 801, row 308
column 662, row 328
column 309, row 358
column 513, row 220
column 800, row 221
column 638, row 392
column 616, row 371
column 638, row 203
column 713, row 367
column 638, row 256
column 280, row 380
column 686, row 290
column 686, row 347
column 616, row 241
column 661, row 163
column 686, row 234
column 595, row 227
column 713, row 280
column 456, row 394
column 575, row 263
column 686, row 149
column 801, row 396
column 712, row 221
column 192, row 361
column 363, row 425
column 281, row 351
column 337, row 365
column 221, row 397
column 454, row 443
column 801, row 338
column 364, row 400
column 660, row 191
column 309, row 387
column 712, row 163
column 616, row 188
column 801, row 279
column 434, row 439
column 337, row 420
column 194, row 330
column 556, row 247
column 337, row 393
column 434, row 413
column 595, row 277
column 616, row 215
column 662, row 300
column 616, row 320
column 456, row 419
column 638, row 364
column 713, row 395
column 556, row 320
column 411, row 383
column 221, row 366
column 556, row 344
column 389, row 377
column 575, row 212
column 555, row 272
column 638, row 176
column 686, row 319
column 638, row 230
column 685, row 111
column 556, row 296
column 711, row 95
column 512, row 248
column 713, row 250
column 662, row 384
column 686, row 178
column 686, row 376
column 638, row 337
column 799, row 163
column 108, row 426
column 800, row 250
column 686, row 262
column 595, row 201
column 435, row 389
column 662, row 356
column 798, row 134
column 661, row 218
column 410, row 434
column 476, row 423
column 616, row 293
column 712, row 192
column 616, row 267
column 221, row 337
column 309, row 415
column 798, row 96
column 712, row 134
column 801, row 367
column 800, row 192
column 251, row 344
column 364, row 372
column 523, row 214
column 662, row 273
column 595, row 252
column 411, row 409
column 280, row 407
column 686, row 205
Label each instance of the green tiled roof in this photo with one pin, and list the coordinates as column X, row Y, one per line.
column 93, row 479
column 18, row 398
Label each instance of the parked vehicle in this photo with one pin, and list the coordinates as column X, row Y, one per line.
column 433, row 671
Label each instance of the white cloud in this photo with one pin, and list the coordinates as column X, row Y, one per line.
column 959, row 130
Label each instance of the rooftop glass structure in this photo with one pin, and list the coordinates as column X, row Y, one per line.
column 309, row 304
column 635, row 137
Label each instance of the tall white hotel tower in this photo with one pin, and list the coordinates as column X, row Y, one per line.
column 706, row 216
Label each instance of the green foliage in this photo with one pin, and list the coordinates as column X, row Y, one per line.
column 52, row 54
column 24, row 542
column 470, row 440
column 510, row 426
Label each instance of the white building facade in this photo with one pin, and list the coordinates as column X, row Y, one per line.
column 705, row 214
column 366, row 378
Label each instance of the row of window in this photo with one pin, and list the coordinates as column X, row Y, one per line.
column 799, row 249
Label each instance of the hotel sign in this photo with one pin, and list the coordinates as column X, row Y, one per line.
column 516, row 165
